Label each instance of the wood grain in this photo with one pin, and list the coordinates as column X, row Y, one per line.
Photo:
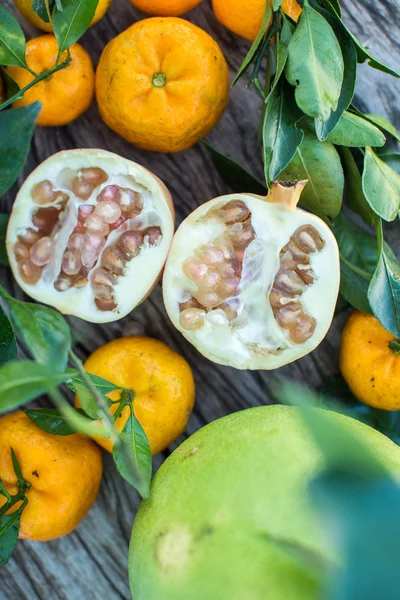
column 91, row 563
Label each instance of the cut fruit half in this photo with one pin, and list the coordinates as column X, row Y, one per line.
column 89, row 234
column 252, row 282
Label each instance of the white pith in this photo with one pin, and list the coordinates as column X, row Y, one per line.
column 261, row 344
column 140, row 272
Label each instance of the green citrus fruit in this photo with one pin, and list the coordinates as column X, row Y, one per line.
column 223, row 499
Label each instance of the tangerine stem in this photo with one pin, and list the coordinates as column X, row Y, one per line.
column 44, row 75
column 159, row 80
column 394, row 345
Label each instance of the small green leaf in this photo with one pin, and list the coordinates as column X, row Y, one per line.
column 8, row 344
column 43, row 331
column 12, row 86
column 315, row 65
column 52, row 421
column 9, row 529
column 138, row 471
column 381, row 186
column 384, row 289
column 281, row 53
column 358, row 258
column 256, row 45
column 235, row 176
column 3, row 230
column 281, row 137
column 86, row 399
column 356, row 200
column 350, row 70
column 71, row 22
column 12, row 40
column 318, row 162
column 384, row 124
column 43, row 9
column 354, row 131
column 17, row 126
column 364, row 55
column 103, row 385
column 333, row 6
column 380, row 122
column 276, row 4
column 22, row 381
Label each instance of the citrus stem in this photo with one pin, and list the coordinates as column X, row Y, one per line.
column 159, row 80
column 104, row 412
column 394, row 345
column 44, row 75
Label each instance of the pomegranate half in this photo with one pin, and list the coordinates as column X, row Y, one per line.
column 89, row 234
column 252, row 282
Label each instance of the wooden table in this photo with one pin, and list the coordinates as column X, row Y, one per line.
column 91, row 563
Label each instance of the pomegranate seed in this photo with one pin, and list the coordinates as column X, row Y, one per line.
column 29, row 272
column 41, row 252
column 71, row 262
column 107, row 211
column 192, row 319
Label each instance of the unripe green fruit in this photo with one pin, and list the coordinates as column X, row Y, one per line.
column 223, row 496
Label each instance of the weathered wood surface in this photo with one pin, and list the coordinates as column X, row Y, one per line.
column 91, row 563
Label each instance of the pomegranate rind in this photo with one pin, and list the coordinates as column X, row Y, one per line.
column 274, row 224
column 141, row 274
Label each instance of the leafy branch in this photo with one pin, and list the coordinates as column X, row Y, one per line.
column 311, row 130
column 9, row 519
column 70, row 19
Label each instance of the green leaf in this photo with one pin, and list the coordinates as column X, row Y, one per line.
column 356, row 200
column 8, row 344
column 281, row 53
column 9, row 529
column 281, row 137
column 3, row 230
column 315, row 65
column 137, row 445
column 43, row 9
column 70, row 23
column 318, row 162
column 52, row 421
column 385, row 421
column 17, row 126
column 364, row 55
column 276, row 4
column 86, row 399
column 384, row 289
column 358, row 258
column 381, row 186
column 235, row 176
column 343, row 450
column 12, row 86
column 350, row 70
column 364, row 517
column 354, row 131
column 382, row 123
column 333, row 6
column 256, row 45
column 43, row 331
column 22, row 381
column 12, row 40
column 103, row 385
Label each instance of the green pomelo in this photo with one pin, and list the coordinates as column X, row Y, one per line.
column 223, row 500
